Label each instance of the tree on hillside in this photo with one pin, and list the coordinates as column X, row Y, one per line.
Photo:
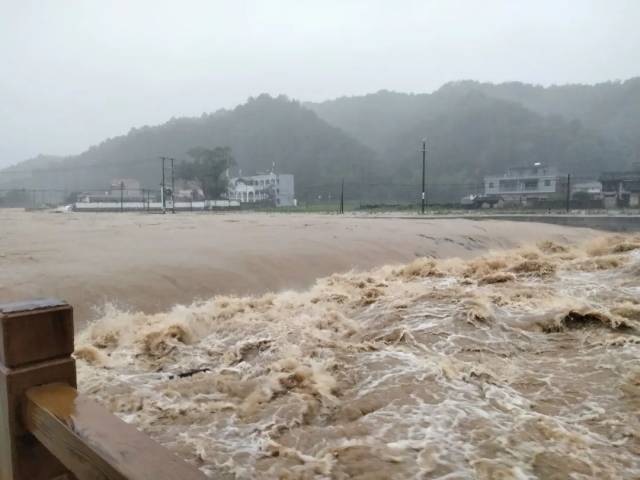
column 208, row 168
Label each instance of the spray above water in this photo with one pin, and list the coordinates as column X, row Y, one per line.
column 520, row 364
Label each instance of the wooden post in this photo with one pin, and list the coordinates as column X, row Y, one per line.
column 49, row 431
column 36, row 343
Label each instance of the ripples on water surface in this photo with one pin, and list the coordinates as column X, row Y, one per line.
column 520, row 364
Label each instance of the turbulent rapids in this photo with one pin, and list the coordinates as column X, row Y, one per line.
column 520, row 364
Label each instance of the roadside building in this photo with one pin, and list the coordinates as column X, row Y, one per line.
column 128, row 189
column 127, row 195
column 593, row 189
column 270, row 188
column 527, row 185
column 621, row 189
column 586, row 195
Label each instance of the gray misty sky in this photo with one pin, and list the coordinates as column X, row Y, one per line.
column 76, row 72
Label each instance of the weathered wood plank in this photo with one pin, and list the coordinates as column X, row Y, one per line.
column 36, row 341
column 22, row 457
column 35, row 331
column 94, row 444
column 30, row 305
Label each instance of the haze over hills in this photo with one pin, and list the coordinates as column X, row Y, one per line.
column 475, row 128
column 262, row 132
column 611, row 108
column 472, row 129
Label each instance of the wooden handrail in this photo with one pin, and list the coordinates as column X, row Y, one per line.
column 93, row 443
column 49, row 431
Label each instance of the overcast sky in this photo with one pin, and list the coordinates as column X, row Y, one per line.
column 76, row 72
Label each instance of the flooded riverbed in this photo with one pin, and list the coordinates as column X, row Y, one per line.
column 520, row 364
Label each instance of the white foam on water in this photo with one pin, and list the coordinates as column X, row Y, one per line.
column 519, row 365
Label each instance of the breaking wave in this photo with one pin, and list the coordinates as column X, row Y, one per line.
column 520, row 364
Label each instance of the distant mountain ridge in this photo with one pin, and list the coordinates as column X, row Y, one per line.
column 611, row 108
column 262, row 132
column 471, row 129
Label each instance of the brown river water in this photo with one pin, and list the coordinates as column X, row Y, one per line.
column 521, row 364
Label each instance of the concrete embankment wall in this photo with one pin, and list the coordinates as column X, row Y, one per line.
column 612, row 223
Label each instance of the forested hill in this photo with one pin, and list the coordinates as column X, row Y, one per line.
column 262, row 132
column 611, row 108
column 473, row 128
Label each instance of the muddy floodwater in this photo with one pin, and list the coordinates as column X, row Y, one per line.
column 519, row 364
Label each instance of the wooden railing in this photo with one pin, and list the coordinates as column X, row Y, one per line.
column 48, row 430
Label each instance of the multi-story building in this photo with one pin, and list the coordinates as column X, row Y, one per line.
column 621, row 189
column 274, row 188
column 526, row 185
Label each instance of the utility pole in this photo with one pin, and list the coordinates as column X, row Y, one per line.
column 121, row 196
column 568, row 192
column 162, row 187
column 173, row 188
column 424, row 173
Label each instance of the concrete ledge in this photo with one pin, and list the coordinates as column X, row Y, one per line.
column 629, row 223
column 611, row 223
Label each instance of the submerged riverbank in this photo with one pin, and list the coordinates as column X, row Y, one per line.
column 152, row 262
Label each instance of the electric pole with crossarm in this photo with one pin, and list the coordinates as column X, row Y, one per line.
column 424, row 173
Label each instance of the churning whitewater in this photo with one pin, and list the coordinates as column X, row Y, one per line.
column 520, row 364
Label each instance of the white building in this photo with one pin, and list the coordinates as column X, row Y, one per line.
column 128, row 187
column 120, row 188
column 527, row 184
column 592, row 188
column 276, row 188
